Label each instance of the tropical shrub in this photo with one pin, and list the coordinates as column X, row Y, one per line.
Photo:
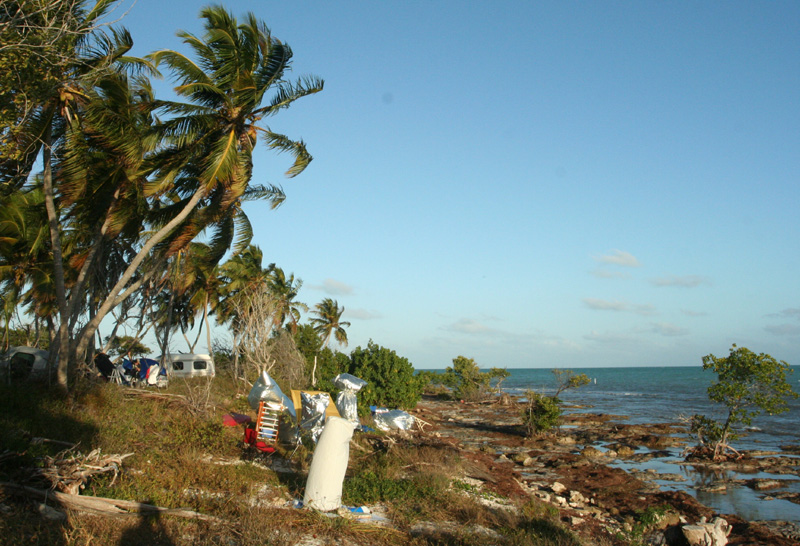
column 390, row 378
column 469, row 382
column 567, row 379
column 747, row 385
column 329, row 365
column 541, row 413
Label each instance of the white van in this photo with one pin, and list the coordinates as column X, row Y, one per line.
column 189, row 365
column 24, row 363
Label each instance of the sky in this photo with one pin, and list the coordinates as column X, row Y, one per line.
column 536, row 184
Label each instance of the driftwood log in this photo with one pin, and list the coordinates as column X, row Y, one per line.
column 104, row 506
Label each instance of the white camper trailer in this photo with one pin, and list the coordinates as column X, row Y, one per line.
column 189, row 365
column 24, row 363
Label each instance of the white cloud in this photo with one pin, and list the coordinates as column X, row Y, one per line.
column 468, row 326
column 669, row 330
column 604, row 305
column 784, row 329
column 619, row 257
column 336, row 288
column 619, row 306
column 687, row 281
column 690, row 313
column 791, row 312
column 608, row 337
column 646, row 310
column 361, row 314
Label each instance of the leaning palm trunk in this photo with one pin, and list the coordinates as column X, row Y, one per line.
column 122, row 289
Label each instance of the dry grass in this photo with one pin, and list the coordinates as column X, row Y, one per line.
column 177, row 441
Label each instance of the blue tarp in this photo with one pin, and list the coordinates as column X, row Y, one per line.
column 145, row 364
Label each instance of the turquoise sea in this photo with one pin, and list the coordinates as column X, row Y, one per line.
column 663, row 395
column 660, row 395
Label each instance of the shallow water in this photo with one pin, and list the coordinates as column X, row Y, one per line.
column 736, row 499
column 663, row 395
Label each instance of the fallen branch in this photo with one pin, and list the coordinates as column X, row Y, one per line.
column 104, row 506
column 421, row 424
column 156, row 395
column 39, row 441
column 69, row 472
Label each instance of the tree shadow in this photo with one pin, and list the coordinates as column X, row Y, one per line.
column 150, row 530
column 36, row 422
column 510, row 430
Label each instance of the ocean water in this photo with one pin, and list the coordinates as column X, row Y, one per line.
column 660, row 395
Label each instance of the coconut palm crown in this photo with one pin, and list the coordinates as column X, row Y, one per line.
column 209, row 139
column 328, row 322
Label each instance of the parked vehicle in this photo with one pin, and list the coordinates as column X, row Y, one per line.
column 24, row 363
column 189, row 365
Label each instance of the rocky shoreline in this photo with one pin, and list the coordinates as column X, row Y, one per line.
column 576, row 470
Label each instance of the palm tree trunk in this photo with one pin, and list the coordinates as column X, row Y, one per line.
column 199, row 331
column 58, row 265
column 208, row 327
column 83, row 274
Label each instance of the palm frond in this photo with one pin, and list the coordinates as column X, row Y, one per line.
column 287, row 93
column 221, row 239
column 222, row 161
column 244, row 232
column 185, row 70
column 282, row 143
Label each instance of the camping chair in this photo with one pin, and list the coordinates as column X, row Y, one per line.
column 118, row 376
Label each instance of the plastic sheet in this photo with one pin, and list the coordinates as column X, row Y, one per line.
column 393, row 420
column 313, row 415
column 346, row 400
column 266, row 389
column 345, row 381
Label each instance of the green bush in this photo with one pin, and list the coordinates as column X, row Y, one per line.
column 469, row 382
column 390, row 378
column 747, row 384
column 329, row 365
column 541, row 413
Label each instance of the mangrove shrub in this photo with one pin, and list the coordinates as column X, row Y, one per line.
column 747, row 385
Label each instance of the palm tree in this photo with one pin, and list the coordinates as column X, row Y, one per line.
column 179, row 177
column 24, row 254
column 214, row 133
column 242, row 273
column 284, row 291
column 203, row 166
column 88, row 55
column 328, row 322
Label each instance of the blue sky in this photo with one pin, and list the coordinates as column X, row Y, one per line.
column 537, row 184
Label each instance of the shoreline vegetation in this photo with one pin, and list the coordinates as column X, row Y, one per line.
column 467, row 474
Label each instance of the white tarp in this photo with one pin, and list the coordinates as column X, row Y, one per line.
column 329, row 465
